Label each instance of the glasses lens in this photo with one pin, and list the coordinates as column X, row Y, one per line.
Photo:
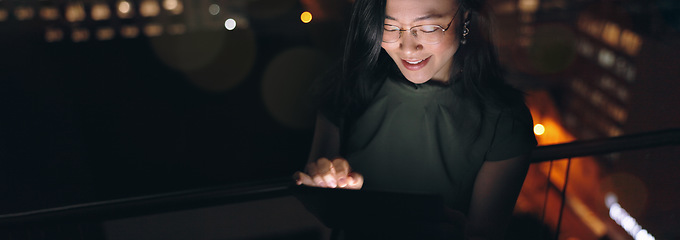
column 430, row 34
column 390, row 35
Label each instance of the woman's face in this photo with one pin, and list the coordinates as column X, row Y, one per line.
column 417, row 61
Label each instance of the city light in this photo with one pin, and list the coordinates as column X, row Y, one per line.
column 53, row 34
column 3, row 15
column 129, row 31
column 80, row 35
column 49, row 13
column 149, row 8
column 306, row 17
column 24, row 13
column 100, row 11
column 125, row 9
column 214, row 9
column 230, row 24
column 105, row 33
column 174, row 6
column 153, row 30
column 539, row 129
column 623, row 219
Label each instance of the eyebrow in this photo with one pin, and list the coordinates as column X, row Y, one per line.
column 428, row 16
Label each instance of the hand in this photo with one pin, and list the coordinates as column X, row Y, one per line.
column 329, row 174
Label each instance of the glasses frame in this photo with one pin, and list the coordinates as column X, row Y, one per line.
column 415, row 35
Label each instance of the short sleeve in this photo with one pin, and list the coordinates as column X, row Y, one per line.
column 513, row 134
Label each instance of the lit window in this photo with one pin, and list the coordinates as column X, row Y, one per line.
column 595, row 28
column 607, row 83
column 129, row 31
column 80, row 34
column 174, row 6
column 53, row 34
column 49, row 13
column 606, row 58
column 3, row 15
column 622, row 93
column 75, row 12
column 597, row 98
column 585, row 48
column 24, row 13
column 630, row 42
column 125, row 9
column 630, row 73
column 176, row 29
column 105, row 33
column 611, row 34
column 100, row 11
column 149, row 8
column 153, row 30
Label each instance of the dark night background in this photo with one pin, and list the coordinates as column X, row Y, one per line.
column 100, row 120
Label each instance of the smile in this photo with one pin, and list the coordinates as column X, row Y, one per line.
column 415, row 65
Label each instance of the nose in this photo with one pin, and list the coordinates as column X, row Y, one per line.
column 409, row 44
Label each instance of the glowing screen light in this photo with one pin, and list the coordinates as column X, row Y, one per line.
column 539, row 129
column 230, row 24
column 306, row 17
column 623, row 219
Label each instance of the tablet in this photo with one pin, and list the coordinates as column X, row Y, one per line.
column 345, row 208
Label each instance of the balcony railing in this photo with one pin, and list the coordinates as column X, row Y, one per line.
column 198, row 198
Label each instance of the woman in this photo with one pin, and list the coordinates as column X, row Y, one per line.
column 419, row 105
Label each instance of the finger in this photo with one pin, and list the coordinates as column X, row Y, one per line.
column 302, row 178
column 355, row 180
column 323, row 166
column 318, row 181
column 341, row 167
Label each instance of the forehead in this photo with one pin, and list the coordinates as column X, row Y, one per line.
column 409, row 10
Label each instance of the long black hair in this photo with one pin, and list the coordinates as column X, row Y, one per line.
column 348, row 89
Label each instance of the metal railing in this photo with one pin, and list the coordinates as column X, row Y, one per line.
column 144, row 205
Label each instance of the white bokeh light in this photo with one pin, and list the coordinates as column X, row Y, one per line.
column 214, row 9
column 230, row 24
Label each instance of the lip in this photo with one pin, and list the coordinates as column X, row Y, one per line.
column 417, row 66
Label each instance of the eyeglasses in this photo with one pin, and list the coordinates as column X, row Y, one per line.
column 426, row 34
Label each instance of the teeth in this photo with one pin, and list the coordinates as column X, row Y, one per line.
column 416, row 62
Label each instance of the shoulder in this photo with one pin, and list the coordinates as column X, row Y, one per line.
column 512, row 132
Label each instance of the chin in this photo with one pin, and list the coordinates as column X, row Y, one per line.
column 417, row 79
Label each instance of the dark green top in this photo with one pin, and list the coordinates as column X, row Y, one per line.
column 425, row 139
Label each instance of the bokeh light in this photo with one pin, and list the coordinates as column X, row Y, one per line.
column 125, row 9
column 174, row 6
column 153, row 30
column 3, row 14
column 49, row 13
column 285, row 84
column 230, row 24
column 129, row 31
column 149, row 8
column 214, row 61
column 24, row 13
column 306, row 17
column 100, row 11
column 214, row 9
column 53, row 34
column 105, row 33
column 539, row 129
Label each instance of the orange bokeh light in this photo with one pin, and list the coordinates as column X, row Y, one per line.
column 306, row 17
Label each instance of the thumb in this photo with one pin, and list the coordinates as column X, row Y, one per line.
column 356, row 180
column 302, row 178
